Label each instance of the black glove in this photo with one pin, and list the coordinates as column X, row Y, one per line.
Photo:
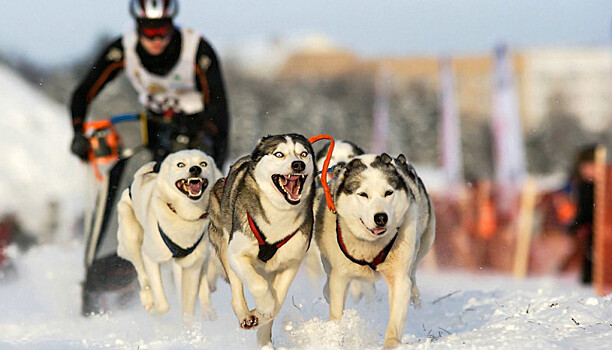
column 80, row 146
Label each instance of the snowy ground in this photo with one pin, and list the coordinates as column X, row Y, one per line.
column 40, row 310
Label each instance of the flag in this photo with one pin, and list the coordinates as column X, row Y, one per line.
column 510, row 169
column 380, row 129
column 450, row 132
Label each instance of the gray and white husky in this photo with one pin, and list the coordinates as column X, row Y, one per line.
column 261, row 225
column 384, row 225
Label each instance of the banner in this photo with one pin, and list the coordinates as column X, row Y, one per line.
column 380, row 127
column 450, row 131
column 509, row 159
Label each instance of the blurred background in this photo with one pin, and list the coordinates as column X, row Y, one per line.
column 489, row 99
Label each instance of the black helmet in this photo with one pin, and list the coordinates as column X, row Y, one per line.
column 153, row 9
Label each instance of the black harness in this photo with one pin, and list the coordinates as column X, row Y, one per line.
column 176, row 250
column 266, row 250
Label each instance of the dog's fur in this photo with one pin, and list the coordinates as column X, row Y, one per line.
column 253, row 187
column 173, row 196
column 368, row 187
column 343, row 152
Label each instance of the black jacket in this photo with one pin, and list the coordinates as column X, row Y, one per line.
column 215, row 117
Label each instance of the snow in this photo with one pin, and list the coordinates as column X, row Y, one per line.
column 37, row 167
column 41, row 310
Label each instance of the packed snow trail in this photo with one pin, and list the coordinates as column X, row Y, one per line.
column 41, row 310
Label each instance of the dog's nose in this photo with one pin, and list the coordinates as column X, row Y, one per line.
column 195, row 170
column 298, row 166
column 380, row 219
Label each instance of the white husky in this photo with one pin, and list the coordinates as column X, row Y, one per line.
column 384, row 226
column 163, row 217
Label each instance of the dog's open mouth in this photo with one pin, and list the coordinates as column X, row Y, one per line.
column 375, row 231
column 290, row 186
column 192, row 187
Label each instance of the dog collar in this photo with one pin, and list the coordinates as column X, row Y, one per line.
column 267, row 251
column 202, row 217
column 378, row 259
column 176, row 250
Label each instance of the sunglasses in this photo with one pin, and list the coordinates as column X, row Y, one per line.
column 156, row 32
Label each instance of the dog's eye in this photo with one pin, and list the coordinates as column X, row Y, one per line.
column 388, row 193
column 363, row 194
column 279, row 155
column 180, row 165
column 304, row 154
column 203, row 164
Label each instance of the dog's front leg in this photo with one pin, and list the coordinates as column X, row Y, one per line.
column 154, row 273
column 256, row 284
column 189, row 290
column 399, row 297
column 208, row 312
column 338, row 289
column 281, row 285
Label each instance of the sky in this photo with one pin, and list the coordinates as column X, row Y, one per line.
column 59, row 31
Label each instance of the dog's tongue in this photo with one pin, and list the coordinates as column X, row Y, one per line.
column 379, row 231
column 194, row 187
column 292, row 186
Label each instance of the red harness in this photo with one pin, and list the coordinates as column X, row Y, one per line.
column 267, row 251
column 379, row 259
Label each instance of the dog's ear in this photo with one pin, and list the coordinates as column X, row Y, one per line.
column 401, row 158
column 337, row 178
column 386, row 159
column 156, row 167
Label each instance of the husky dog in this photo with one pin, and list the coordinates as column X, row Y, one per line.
column 261, row 225
column 384, row 225
column 163, row 217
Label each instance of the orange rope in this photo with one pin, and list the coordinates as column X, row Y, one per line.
column 328, row 197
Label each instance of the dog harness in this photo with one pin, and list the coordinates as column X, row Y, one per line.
column 267, row 251
column 176, row 250
column 379, row 259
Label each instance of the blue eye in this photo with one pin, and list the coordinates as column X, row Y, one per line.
column 388, row 193
column 279, row 155
column 181, row 165
column 203, row 164
column 363, row 194
column 304, row 154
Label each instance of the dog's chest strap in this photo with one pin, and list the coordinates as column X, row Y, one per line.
column 267, row 251
column 176, row 250
column 378, row 259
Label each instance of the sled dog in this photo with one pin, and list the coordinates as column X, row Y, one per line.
column 384, row 225
column 261, row 225
column 163, row 217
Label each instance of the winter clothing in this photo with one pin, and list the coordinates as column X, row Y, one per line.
column 211, row 120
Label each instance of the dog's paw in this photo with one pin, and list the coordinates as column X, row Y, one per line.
column 208, row 313
column 266, row 306
column 146, row 299
column 391, row 343
column 249, row 322
column 188, row 320
column 162, row 308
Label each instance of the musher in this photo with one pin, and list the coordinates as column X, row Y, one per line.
column 178, row 78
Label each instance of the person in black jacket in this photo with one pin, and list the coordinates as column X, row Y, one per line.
column 582, row 225
column 177, row 76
